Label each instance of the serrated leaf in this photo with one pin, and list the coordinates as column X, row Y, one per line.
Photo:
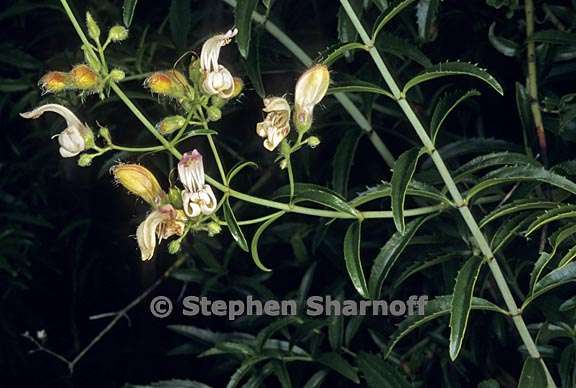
column 521, row 205
column 404, row 169
column 353, row 259
column 490, row 160
column 436, row 308
column 415, row 188
column 510, row 228
column 336, row 362
column 562, row 212
column 179, row 17
column 556, row 278
column 317, row 194
column 389, row 253
column 462, row 303
column 256, row 239
column 252, row 65
column 332, row 54
column 388, row 14
column 446, row 105
column 343, row 160
column 379, row 373
column 360, row 87
column 402, row 48
column 568, row 257
column 450, row 69
column 533, row 374
column 243, row 18
column 246, row 366
column 128, row 11
column 515, row 174
column 233, row 226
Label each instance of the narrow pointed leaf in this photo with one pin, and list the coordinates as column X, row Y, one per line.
column 393, row 9
column 462, row 303
column 360, row 87
column 343, row 160
column 446, row 105
column 234, row 227
column 128, row 11
column 516, row 207
column 556, row 278
column 404, row 169
column 380, row 373
column 256, row 239
column 533, row 374
column 317, row 194
column 353, row 260
column 243, row 17
column 453, row 68
column 336, row 52
column 336, row 362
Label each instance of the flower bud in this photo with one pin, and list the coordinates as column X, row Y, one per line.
column 214, row 114
column 93, row 29
column 169, row 83
column 54, row 82
column 117, row 34
column 85, row 160
column 139, row 181
column 313, row 141
column 117, row 75
column 105, row 134
column 84, row 78
column 283, row 164
column 213, row 228
column 310, row 89
column 174, row 246
column 170, row 124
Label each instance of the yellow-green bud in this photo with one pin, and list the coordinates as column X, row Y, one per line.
column 93, row 29
column 105, row 134
column 117, row 34
column 283, row 164
column 285, row 148
column 217, row 101
column 174, row 246
column 117, row 75
column 84, row 77
column 139, row 181
column 170, row 83
column 214, row 114
column 213, row 228
column 170, row 124
column 85, row 160
column 313, row 141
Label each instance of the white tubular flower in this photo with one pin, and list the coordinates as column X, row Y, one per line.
column 276, row 124
column 197, row 196
column 74, row 138
column 162, row 223
column 310, row 90
column 217, row 79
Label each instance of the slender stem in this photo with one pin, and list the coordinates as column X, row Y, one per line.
column 290, row 176
column 137, row 149
column 342, row 98
column 462, row 205
column 532, row 81
column 217, row 157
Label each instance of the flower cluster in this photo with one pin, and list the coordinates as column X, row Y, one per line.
column 82, row 77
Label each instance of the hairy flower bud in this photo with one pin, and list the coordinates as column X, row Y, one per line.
column 139, row 181
column 117, row 34
column 214, row 114
column 313, row 141
column 84, row 77
column 54, row 82
column 310, row 89
column 93, row 29
column 170, row 124
column 169, row 83
column 117, row 75
column 85, row 160
column 276, row 124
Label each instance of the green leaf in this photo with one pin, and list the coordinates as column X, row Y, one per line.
column 272, row 328
column 316, row 380
column 515, row 174
column 360, row 87
column 404, row 169
column 562, row 212
column 402, row 49
column 246, row 366
column 533, row 374
column 243, row 15
column 447, row 104
column 415, row 188
column 353, row 260
column 426, row 14
column 128, row 11
column 346, row 30
column 337, row 51
column 556, row 278
column 453, row 68
column 336, row 362
column 568, row 257
column 388, row 14
column 555, row 37
column 233, row 226
column 503, row 45
column 239, row 167
column 490, row 160
column 539, row 266
column 256, row 239
column 389, row 253
column 252, row 65
column 566, row 368
column 281, row 372
column 521, row 205
column 179, row 16
column 462, row 303
column 510, row 228
column 436, row 308
column 317, row 194
column 418, row 267
column 379, row 373
column 343, row 160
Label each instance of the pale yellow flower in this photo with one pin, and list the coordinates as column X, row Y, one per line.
column 276, row 124
column 160, row 224
column 217, row 79
column 310, row 90
column 139, row 181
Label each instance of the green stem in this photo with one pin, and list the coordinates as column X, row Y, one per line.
column 479, row 237
column 290, row 177
column 217, row 157
column 342, row 98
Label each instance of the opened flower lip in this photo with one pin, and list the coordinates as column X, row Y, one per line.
column 197, row 197
column 160, row 224
column 217, row 79
column 276, row 125
column 75, row 138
